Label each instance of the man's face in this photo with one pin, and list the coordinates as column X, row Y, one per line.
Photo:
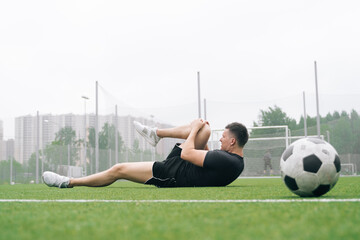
column 226, row 140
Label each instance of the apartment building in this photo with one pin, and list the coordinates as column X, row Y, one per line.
column 33, row 131
column 1, row 140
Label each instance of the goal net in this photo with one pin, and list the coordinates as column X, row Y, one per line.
column 263, row 150
column 348, row 169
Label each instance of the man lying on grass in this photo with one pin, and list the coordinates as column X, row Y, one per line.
column 189, row 164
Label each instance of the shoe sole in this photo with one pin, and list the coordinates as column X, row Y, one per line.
column 146, row 137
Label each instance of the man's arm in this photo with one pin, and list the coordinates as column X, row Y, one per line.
column 189, row 153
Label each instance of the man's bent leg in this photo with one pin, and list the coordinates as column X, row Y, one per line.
column 138, row 172
column 202, row 137
column 183, row 132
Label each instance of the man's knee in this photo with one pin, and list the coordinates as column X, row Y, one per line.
column 206, row 131
column 118, row 170
column 202, row 137
column 134, row 171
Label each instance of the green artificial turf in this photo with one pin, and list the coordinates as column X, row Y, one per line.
column 169, row 220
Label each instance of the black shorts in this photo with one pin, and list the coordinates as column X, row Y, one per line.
column 164, row 173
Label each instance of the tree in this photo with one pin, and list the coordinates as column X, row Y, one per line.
column 344, row 115
column 311, row 121
column 329, row 117
column 107, row 138
column 65, row 136
column 344, row 128
column 63, row 149
column 355, row 125
column 342, row 136
column 30, row 166
column 354, row 115
column 17, row 173
column 336, row 115
column 274, row 116
column 55, row 154
column 135, row 151
column 106, row 146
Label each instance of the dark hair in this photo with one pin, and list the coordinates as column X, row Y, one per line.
column 240, row 132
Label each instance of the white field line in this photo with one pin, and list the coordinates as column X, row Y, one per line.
column 316, row 200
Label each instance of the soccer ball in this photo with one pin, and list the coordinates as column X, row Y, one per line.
column 310, row 167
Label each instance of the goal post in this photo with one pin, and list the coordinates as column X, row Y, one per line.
column 348, row 169
column 263, row 151
column 265, row 140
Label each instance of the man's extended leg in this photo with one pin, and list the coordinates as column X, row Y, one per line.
column 138, row 172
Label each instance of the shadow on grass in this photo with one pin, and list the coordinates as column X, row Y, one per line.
column 128, row 187
column 192, row 188
column 314, row 197
column 240, row 186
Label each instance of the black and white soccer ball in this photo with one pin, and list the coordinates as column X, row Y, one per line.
column 310, row 167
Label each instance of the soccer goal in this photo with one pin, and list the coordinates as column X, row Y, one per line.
column 348, row 169
column 263, row 151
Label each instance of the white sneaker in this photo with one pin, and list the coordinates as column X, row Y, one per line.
column 147, row 132
column 55, row 180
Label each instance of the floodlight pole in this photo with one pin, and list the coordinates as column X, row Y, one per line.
column 199, row 99
column 116, row 135
column 287, row 136
column 11, row 169
column 68, row 160
column 37, row 147
column 42, row 162
column 85, row 135
column 96, row 132
column 305, row 116
column 154, row 149
column 205, row 117
column 317, row 103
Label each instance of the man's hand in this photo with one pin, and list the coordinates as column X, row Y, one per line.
column 197, row 124
column 189, row 153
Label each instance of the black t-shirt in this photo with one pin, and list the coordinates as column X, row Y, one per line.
column 220, row 168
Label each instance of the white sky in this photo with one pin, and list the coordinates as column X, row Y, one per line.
column 146, row 53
